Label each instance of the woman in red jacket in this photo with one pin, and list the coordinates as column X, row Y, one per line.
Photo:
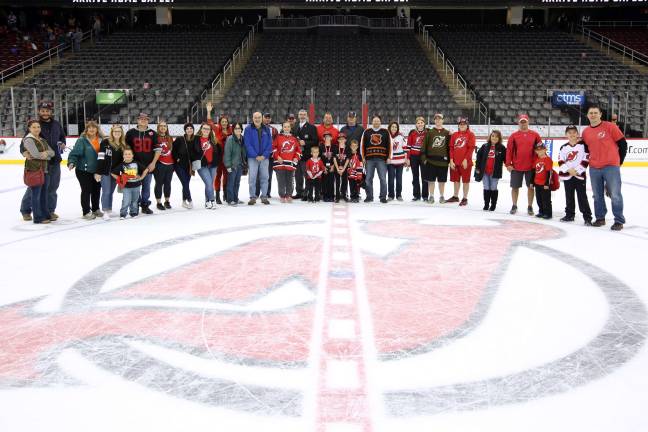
column 222, row 131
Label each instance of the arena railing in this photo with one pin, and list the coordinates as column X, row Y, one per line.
column 610, row 44
column 338, row 21
column 459, row 81
column 616, row 24
column 26, row 65
column 218, row 84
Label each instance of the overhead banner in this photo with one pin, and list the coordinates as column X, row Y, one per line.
column 566, row 98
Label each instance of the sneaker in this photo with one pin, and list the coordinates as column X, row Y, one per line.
column 133, row 216
column 383, row 200
column 160, row 206
column 44, row 221
column 289, row 199
column 416, row 199
column 346, row 199
column 598, row 223
column 399, row 198
column 98, row 213
column 213, row 205
column 27, row 217
column 587, row 222
column 442, row 200
column 282, row 200
column 390, row 198
column 252, row 201
column 265, row 201
column 430, row 200
column 147, row 210
column 539, row 215
column 546, row 216
column 167, row 205
column 355, row 200
column 530, row 211
column 513, row 210
column 53, row 217
column 232, row 203
column 106, row 216
column 464, row 202
column 239, row 202
column 89, row 216
column 453, row 199
column 567, row 219
column 186, row 204
column 209, row 205
column 304, row 198
column 616, row 226
column 122, row 217
column 368, row 200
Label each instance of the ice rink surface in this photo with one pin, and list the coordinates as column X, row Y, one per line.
column 321, row 317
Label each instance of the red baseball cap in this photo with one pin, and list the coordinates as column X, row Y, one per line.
column 524, row 117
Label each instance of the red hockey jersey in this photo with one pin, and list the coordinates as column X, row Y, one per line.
column 288, row 149
column 314, row 168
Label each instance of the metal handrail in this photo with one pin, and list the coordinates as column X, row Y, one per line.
column 625, row 50
column 614, row 23
column 338, row 21
column 38, row 58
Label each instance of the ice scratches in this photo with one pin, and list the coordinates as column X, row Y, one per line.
column 620, row 339
column 116, row 355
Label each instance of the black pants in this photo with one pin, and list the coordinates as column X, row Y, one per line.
column 328, row 186
column 354, row 188
column 543, row 198
column 300, row 177
column 416, row 172
column 185, row 177
column 577, row 187
column 314, row 189
column 163, row 175
column 90, row 191
column 341, row 185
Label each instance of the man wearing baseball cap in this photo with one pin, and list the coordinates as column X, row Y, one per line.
column 143, row 141
column 53, row 133
column 352, row 130
column 519, row 161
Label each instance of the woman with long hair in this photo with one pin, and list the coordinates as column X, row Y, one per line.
column 234, row 160
column 207, row 155
column 39, row 153
column 183, row 155
column 110, row 155
column 397, row 162
column 488, row 167
column 164, row 168
column 83, row 158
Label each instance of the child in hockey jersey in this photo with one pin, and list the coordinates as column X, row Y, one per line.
column 286, row 153
column 341, row 162
column 314, row 170
column 327, row 151
column 542, row 180
column 355, row 171
column 129, row 175
column 572, row 164
column 488, row 167
column 397, row 162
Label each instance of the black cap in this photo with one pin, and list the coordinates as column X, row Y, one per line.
column 291, row 116
column 351, row 114
column 267, row 115
column 46, row 105
column 571, row 127
column 539, row 145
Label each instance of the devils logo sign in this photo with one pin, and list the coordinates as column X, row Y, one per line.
column 251, row 305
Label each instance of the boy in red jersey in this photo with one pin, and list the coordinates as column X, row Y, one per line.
column 314, row 171
column 542, row 179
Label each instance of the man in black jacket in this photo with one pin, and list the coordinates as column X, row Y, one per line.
column 52, row 132
column 307, row 135
column 353, row 131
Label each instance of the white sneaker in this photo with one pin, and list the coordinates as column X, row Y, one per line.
column 106, row 216
column 209, row 205
column 186, row 205
column 122, row 217
column 89, row 216
column 213, row 205
column 190, row 204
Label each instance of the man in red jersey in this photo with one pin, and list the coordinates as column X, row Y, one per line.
column 607, row 148
column 519, row 161
column 327, row 126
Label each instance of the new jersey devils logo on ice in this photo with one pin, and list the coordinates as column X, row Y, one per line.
column 252, row 305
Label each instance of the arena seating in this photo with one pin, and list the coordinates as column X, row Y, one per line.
column 178, row 65
column 635, row 38
column 383, row 63
column 512, row 69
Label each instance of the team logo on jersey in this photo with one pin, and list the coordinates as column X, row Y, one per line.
column 181, row 332
column 376, row 139
column 460, row 142
column 540, row 167
column 491, row 153
column 287, row 146
column 602, row 134
column 571, row 156
column 438, row 141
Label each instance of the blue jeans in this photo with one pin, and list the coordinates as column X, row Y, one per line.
column 260, row 169
column 381, row 166
column 145, row 197
column 39, row 202
column 108, row 184
column 395, row 172
column 233, row 184
column 208, row 174
column 490, row 183
column 52, row 182
column 129, row 201
column 184, row 177
column 610, row 177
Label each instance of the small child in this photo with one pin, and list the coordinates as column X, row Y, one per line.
column 129, row 175
column 341, row 162
column 286, row 153
column 327, row 151
column 572, row 162
column 542, row 180
column 355, row 171
column 488, row 167
column 314, row 170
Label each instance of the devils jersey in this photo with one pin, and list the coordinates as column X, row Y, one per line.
column 288, row 149
column 573, row 157
column 314, row 168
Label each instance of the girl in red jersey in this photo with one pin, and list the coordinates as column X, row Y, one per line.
column 207, row 156
column 286, row 153
column 398, row 161
column 355, row 171
column 222, row 130
column 163, row 173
